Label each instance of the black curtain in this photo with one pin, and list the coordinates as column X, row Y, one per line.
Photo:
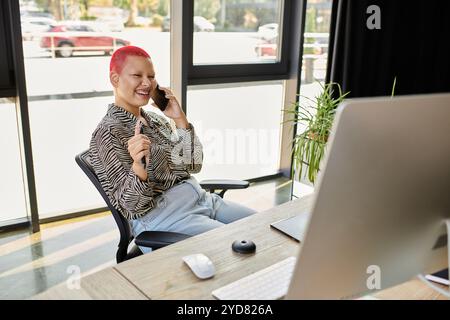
column 411, row 45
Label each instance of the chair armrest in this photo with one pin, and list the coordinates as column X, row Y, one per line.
column 159, row 239
column 224, row 184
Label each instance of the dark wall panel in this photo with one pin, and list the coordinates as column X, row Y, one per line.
column 7, row 81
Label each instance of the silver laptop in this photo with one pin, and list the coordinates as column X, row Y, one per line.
column 294, row 226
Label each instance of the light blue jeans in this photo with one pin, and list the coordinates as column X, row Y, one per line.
column 188, row 209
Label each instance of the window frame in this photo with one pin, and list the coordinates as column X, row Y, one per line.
column 238, row 72
column 183, row 74
column 18, row 90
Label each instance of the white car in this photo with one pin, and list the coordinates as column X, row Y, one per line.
column 142, row 21
column 201, row 24
column 268, row 31
column 33, row 25
column 111, row 24
column 36, row 24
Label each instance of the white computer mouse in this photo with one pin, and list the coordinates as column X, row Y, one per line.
column 200, row 265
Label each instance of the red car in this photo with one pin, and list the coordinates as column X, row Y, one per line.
column 79, row 37
column 266, row 49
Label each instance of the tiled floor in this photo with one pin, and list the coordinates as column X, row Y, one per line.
column 31, row 263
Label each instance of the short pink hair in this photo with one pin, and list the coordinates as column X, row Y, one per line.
column 120, row 55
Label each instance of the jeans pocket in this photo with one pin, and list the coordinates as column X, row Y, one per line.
column 197, row 190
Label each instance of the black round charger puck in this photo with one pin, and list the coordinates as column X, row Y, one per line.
column 243, row 246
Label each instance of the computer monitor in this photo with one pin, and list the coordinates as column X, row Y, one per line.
column 381, row 199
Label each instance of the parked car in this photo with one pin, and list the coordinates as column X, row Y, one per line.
column 111, row 24
column 83, row 37
column 36, row 14
column 201, row 24
column 322, row 45
column 268, row 31
column 165, row 26
column 266, row 48
column 142, row 21
column 32, row 25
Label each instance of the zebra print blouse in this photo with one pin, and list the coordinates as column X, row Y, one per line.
column 173, row 156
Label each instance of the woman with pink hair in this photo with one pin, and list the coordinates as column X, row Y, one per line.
column 144, row 165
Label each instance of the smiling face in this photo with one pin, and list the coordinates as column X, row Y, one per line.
column 132, row 86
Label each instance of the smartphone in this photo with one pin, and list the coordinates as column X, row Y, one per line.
column 143, row 160
column 159, row 97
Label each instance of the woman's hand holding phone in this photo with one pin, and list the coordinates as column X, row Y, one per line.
column 173, row 109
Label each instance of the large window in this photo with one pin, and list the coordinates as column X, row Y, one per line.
column 232, row 63
column 239, row 126
column 238, row 31
column 67, row 51
column 238, row 40
column 12, row 191
column 239, row 54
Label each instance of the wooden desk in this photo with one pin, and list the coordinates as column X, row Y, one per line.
column 163, row 274
column 106, row 284
column 170, row 278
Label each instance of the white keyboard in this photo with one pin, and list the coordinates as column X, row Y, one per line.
column 270, row 283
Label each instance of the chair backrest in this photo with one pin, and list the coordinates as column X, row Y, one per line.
column 84, row 161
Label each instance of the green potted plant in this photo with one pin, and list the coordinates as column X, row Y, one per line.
column 315, row 116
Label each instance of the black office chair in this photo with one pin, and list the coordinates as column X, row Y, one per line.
column 151, row 239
